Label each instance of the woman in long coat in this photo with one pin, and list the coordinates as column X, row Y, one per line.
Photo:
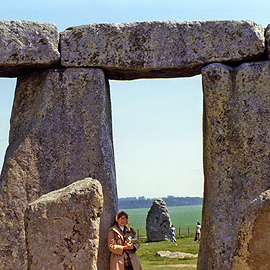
column 123, row 245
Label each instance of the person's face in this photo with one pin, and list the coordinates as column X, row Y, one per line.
column 122, row 221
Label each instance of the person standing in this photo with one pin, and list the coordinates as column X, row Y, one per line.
column 198, row 232
column 172, row 233
column 123, row 244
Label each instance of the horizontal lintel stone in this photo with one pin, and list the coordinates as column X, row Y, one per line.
column 161, row 49
column 26, row 45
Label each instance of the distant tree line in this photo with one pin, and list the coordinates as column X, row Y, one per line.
column 142, row 202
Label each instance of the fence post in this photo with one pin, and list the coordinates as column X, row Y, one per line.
column 138, row 234
column 188, row 230
column 179, row 231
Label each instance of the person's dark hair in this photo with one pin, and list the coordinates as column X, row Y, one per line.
column 120, row 214
column 198, row 223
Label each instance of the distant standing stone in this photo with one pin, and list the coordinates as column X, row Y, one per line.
column 158, row 222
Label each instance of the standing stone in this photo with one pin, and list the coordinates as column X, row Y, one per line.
column 236, row 154
column 62, row 227
column 267, row 40
column 158, row 222
column 60, row 131
column 252, row 248
column 25, row 45
column 160, row 49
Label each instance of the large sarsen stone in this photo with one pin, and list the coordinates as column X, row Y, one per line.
column 236, row 155
column 252, row 248
column 160, row 49
column 62, row 227
column 60, row 132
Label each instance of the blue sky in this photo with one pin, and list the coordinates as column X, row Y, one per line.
column 157, row 124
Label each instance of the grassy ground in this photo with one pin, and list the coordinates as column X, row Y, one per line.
column 149, row 261
column 182, row 217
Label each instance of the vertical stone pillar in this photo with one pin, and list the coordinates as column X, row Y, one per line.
column 252, row 247
column 60, row 132
column 236, row 154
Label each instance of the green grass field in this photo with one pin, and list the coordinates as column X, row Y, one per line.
column 149, row 260
column 181, row 216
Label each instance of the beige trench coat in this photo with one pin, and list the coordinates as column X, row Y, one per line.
column 116, row 245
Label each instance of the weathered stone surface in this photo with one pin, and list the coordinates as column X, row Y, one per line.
column 62, row 227
column 236, row 154
column 60, row 132
column 176, row 254
column 160, row 49
column 252, row 249
column 158, row 222
column 25, row 45
column 267, row 40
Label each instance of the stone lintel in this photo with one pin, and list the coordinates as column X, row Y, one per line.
column 160, row 49
column 132, row 74
column 25, row 45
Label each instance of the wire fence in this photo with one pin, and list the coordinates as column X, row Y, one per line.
column 178, row 231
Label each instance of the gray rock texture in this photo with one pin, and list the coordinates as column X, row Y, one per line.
column 252, row 248
column 267, row 40
column 176, row 254
column 160, row 49
column 62, row 227
column 60, row 132
column 25, row 45
column 236, row 154
column 158, row 222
